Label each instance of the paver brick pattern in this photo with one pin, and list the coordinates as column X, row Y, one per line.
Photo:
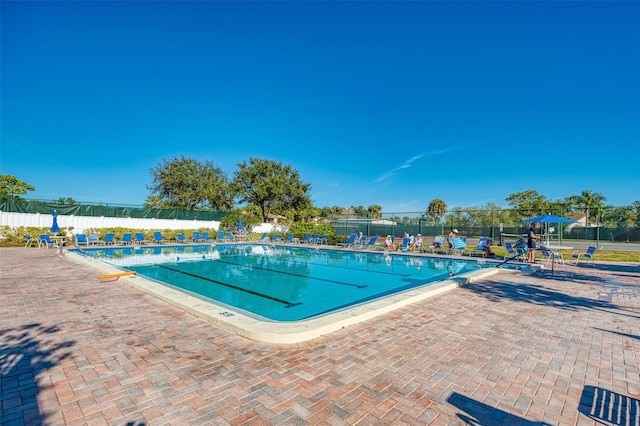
column 512, row 350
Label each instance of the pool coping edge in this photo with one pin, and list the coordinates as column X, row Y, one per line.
column 287, row 332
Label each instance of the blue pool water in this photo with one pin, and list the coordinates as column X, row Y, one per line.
column 282, row 283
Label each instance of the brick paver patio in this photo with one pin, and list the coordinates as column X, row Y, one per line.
column 512, row 350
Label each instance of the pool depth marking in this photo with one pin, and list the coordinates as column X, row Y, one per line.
column 292, row 274
column 255, row 293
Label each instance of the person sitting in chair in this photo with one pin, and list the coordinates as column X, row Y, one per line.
column 389, row 244
column 451, row 236
column 417, row 242
column 485, row 244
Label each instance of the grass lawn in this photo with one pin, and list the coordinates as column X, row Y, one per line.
column 600, row 255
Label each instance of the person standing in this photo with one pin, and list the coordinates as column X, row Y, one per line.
column 531, row 243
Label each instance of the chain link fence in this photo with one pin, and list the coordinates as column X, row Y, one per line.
column 500, row 225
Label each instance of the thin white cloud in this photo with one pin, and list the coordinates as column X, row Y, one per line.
column 407, row 164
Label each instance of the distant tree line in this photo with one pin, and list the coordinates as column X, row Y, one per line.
column 262, row 189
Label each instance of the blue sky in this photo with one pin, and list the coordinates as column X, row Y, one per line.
column 389, row 103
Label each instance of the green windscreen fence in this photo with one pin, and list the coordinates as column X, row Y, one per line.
column 473, row 224
column 106, row 210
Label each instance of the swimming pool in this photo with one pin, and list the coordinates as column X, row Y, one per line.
column 282, row 283
column 416, row 285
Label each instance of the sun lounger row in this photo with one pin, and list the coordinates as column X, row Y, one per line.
column 458, row 246
column 131, row 238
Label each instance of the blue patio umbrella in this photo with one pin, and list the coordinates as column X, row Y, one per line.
column 240, row 227
column 547, row 219
column 55, row 228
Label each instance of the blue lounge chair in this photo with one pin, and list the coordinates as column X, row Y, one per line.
column 81, row 238
column 361, row 242
column 180, row 238
column 93, row 238
column 140, row 238
column 205, row 237
column 230, row 237
column 351, row 241
column 436, row 246
column 513, row 252
column 275, row 238
column 587, row 255
column 30, row 241
column 481, row 249
column 110, row 238
column 157, row 237
column 46, row 241
column 196, row 238
column 404, row 245
column 459, row 245
column 371, row 244
column 264, row 237
column 126, row 239
column 550, row 255
column 221, row 237
column 307, row 238
column 289, row 238
column 323, row 239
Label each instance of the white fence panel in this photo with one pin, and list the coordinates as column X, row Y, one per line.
column 79, row 223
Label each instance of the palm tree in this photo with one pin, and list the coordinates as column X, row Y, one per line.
column 437, row 209
column 337, row 210
column 589, row 200
column 375, row 211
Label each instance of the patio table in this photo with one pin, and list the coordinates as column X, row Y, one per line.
column 59, row 239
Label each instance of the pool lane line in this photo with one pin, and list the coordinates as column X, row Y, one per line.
column 227, row 256
column 255, row 293
column 292, row 274
column 395, row 274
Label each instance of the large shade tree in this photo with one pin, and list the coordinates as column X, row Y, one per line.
column 486, row 215
column 271, row 186
column 306, row 214
column 527, row 203
column 11, row 188
column 191, row 184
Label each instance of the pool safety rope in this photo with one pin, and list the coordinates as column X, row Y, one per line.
column 116, row 276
